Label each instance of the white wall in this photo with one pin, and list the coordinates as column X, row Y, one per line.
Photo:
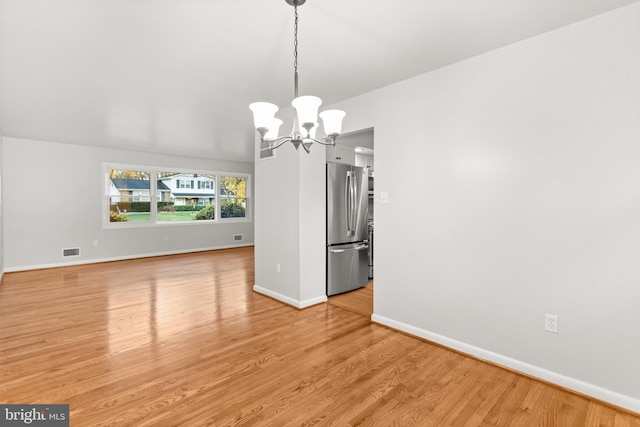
column 514, row 187
column 1, row 210
column 277, row 222
column 290, row 224
column 54, row 201
column 313, row 215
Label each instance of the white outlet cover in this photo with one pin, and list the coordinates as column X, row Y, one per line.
column 551, row 323
column 384, row 197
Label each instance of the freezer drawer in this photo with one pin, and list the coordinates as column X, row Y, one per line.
column 347, row 267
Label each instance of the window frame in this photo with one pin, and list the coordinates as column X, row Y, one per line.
column 227, row 197
column 153, row 192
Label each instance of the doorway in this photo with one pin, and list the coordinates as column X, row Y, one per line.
column 357, row 148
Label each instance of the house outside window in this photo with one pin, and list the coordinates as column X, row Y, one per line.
column 129, row 195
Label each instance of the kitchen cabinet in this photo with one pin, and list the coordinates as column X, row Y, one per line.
column 341, row 154
column 365, row 161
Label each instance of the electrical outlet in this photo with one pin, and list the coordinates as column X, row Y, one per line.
column 384, row 197
column 551, row 323
column 278, row 267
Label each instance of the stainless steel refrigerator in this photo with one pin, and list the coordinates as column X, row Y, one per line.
column 347, row 228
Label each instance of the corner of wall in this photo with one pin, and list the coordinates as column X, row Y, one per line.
column 277, row 226
column 1, row 209
column 312, row 207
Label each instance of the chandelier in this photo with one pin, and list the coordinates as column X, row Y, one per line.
column 305, row 121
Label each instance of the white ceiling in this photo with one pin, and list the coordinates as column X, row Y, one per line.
column 177, row 76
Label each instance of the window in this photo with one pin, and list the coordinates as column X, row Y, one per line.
column 129, row 196
column 181, row 199
column 233, row 194
column 184, row 183
column 207, row 185
column 147, row 196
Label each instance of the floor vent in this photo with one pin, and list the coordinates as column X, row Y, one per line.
column 71, row 252
column 237, row 237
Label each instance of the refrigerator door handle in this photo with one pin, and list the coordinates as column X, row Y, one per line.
column 361, row 247
column 349, row 203
column 352, row 197
column 337, row 251
column 346, row 202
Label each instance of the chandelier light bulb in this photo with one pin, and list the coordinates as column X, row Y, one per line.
column 263, row 114
column 274, row 128
column 307, row 109
column 332, row 121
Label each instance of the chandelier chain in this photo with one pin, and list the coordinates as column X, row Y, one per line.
column 295, row 49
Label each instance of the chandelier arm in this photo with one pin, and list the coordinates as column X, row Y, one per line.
column 278, row 142
column 329, row 141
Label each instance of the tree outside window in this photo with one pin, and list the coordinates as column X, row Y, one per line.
column 233, row 197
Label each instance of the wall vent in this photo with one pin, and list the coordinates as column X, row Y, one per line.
column 71, row 252
column 237, row 237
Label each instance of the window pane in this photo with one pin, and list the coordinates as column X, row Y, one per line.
column 129, row 196
column 233, row 191
column 233, row 186
column 185, row 196
column 233, row 208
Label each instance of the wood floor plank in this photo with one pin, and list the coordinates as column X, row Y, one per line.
column 184, row 341
column 359, row 301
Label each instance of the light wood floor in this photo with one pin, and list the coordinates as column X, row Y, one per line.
column 359, row 301
column 183, row 341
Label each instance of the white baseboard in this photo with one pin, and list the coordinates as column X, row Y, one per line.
column 579, row 386
column 290, row 301
column 120, row 258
